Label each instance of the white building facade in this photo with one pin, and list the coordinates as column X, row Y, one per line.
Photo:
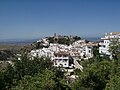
column 60, row 54
column 61, row 59
column 104, row 44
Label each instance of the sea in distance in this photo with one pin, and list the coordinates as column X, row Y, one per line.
column 30, row 41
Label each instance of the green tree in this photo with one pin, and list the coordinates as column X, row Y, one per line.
column 42, row 81
column 114, row 47
column 94, row 76
column 6, row 77
column 2, row 82
column 96, row 51
column 25, row 66
column 114, row 83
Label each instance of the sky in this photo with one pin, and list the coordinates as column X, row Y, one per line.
column 28, row 19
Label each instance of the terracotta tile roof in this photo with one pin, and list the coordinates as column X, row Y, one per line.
column 114, row 33
column 62, row 53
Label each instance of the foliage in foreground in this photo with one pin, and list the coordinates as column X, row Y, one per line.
column 39, row 74
column 46, row 80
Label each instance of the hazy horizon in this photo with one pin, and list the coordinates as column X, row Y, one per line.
column 30, row 40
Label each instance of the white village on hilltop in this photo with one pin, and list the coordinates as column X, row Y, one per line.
column 67, row 56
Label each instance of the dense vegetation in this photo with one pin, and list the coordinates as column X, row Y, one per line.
column 64, row 39
column 5, row 54
column 37, row 74
column 99, row 73
column 67, row 40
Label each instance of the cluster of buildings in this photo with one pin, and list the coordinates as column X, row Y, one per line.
column 67, row 56
column 64, row 55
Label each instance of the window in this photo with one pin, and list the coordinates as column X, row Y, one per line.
column 65, row 55
column 103, row 46
column 89, row 51
column 65, row 60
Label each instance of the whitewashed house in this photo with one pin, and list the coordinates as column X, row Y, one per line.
column 45, row 52
column 82, row 50
column 104, row 44
column 88, row 51
column 62, row 59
